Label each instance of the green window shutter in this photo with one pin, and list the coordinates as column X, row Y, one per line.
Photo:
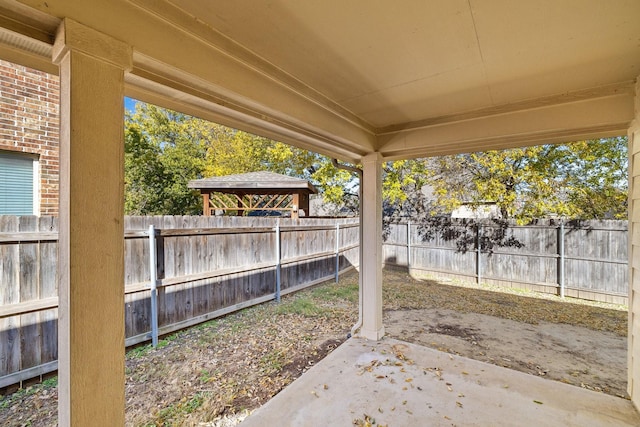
column 16, row 184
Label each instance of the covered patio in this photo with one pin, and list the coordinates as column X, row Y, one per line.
column 364, row 82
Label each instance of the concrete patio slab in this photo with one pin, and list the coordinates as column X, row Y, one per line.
column 394, row 383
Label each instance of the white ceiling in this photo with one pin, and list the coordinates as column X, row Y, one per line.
column 403, row 61
column 406, row 78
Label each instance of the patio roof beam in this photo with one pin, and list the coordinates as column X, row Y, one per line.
column 597, row 113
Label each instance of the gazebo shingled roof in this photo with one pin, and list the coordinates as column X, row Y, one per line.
column 254, row 191
column 253, row 182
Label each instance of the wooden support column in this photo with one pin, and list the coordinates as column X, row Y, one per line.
column 295, row 212
column 371, row 241
column 303, row 200
column 91, row 242
column 240, row 211
column 633, row 363
column 206, row 206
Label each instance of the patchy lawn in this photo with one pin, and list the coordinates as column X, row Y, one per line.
column 212, row 374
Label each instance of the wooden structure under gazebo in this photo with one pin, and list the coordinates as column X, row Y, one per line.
column 254, row 191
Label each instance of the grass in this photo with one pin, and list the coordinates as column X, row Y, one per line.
column 143, row 350
column 173, row 413
column 273, row 361
column 240, row 360
column 517, row 291
column 402, row 291
column 347, row 292
column 302, row 306
column 11, row 399
column 317, row 301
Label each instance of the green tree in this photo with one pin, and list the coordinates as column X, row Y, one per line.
column 164, row 150
column 596, row 174
column 579, row 180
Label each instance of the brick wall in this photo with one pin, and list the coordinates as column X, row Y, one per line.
column 29, row 101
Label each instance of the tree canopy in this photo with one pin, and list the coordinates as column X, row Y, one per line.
column 578, row 180
column 164, row 150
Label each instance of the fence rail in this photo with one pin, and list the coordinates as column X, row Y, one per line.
column 207, row 267
column 586, row 259
column 179, row 271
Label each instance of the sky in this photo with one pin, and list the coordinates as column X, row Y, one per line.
column 129, row 104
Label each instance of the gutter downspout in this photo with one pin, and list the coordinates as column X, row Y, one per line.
column 358, row 172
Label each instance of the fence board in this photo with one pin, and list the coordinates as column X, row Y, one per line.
column 48, row 289
column 29, row 289
column 193, row 253
column 9, row 294
column 595, row 262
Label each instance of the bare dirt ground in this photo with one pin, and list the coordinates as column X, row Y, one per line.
column 571, row 354
column 213, row 374
column 575, row 342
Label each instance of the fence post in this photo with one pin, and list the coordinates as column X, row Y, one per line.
column 153, row 277
column 478, row 254
column 337, row 252
column 278, row 261
column 561, row 258
column 409, row 247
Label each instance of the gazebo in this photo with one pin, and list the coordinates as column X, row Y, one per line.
column 254, row 191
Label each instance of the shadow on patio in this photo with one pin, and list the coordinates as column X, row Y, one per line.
column 395, row 383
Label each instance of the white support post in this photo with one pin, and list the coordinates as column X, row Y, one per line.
column 153, row 279
column 371, row 242
column 91, row 226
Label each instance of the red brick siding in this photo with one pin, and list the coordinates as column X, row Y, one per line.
column 29, row 123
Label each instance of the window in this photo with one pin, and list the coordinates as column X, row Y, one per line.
column 18, row 184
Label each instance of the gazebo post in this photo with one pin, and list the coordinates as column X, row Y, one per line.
column 296, row 206
column 206, row 209
column 240, row 211
column 303, row 203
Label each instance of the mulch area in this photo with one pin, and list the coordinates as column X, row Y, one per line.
column 204, row 375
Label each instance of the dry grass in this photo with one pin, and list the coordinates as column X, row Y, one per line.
column 402, row 291
column 226, row 366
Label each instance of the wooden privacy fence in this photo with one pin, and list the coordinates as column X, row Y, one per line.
column 179, row 271
column 586, row 259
